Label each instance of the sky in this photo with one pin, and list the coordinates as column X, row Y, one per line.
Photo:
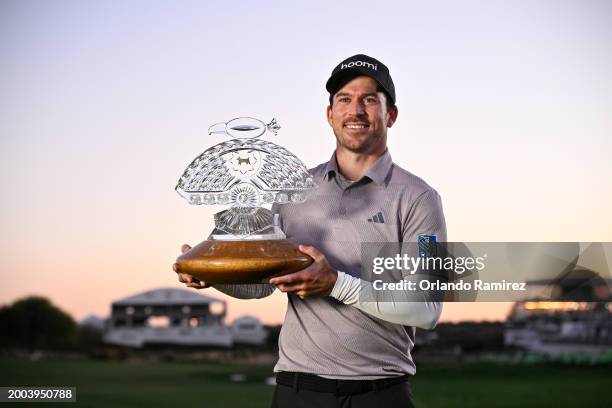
column 504, row 108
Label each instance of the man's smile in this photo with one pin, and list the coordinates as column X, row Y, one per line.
column 356, row 125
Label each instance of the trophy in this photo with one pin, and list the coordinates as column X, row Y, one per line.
column 245, row 173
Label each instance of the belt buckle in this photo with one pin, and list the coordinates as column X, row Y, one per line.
column 349, row 387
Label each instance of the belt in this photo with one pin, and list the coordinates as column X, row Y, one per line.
column 315, row 383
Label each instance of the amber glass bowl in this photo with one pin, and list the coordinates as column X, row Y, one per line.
column 242, row 261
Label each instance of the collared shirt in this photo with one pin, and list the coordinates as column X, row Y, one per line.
column 377, row 173
column 325, row 336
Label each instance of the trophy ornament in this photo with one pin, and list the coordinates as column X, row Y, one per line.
column 245, row 173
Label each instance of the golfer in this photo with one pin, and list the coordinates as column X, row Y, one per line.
column 334, row 349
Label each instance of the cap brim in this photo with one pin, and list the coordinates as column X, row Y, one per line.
column 339, row 79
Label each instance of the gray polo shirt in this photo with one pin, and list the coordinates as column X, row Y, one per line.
column 325, row 336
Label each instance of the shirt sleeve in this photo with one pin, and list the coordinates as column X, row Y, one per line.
column 409, row 308
column 402, row 309
column 426, row 216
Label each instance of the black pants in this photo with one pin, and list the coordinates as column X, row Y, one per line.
column 395, row 396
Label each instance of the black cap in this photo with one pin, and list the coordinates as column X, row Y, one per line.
column 357, row 65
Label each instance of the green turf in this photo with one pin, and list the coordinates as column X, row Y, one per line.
column 513, row 386
column 122, row 384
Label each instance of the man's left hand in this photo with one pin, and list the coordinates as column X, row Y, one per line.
column 316, row 280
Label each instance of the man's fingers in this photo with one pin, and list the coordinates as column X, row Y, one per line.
column 196, row 284
column 185, row 278
column 287, row 279
column 192, row 282
column 298, row 290
column 312, row 251
column 288, row 288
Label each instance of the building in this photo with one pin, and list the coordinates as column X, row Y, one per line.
column 574, row 315
column 248, row 330
column 168, row 316
column 560, row 327
column 94, row 322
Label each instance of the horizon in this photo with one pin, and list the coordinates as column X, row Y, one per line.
column 231, row 316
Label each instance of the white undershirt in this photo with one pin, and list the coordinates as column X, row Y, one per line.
column 402, row 309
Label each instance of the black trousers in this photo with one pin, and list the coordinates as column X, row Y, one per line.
column 396, row 396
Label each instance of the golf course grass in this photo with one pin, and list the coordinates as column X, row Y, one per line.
column 196, row 384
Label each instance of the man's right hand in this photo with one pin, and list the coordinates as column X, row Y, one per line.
column 187, row 279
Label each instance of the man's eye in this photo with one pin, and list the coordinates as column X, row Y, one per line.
column 371, row 100
column 343, row 99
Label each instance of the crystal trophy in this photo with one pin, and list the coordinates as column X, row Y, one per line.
column 244, row 173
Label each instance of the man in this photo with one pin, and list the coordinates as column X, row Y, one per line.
column 334, row 348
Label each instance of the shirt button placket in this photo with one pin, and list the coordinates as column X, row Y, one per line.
column 342, row 209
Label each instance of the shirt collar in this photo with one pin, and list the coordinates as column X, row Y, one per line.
column 377, row 173
column 331, row 167
column 381, row 168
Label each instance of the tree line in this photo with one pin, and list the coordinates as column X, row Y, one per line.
column 34, row 323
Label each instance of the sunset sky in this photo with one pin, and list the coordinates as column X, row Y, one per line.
column 505, row 108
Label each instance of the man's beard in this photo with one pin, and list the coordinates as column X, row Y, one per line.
column 362, row 147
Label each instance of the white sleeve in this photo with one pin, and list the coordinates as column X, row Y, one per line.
column 402, row 309
column 251, row 291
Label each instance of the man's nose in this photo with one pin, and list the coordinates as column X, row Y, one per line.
column 357, row 107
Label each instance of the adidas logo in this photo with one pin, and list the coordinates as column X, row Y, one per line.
column 377, row 218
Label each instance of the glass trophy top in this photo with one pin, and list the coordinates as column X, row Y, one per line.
column 245, row 173
column 244, row 127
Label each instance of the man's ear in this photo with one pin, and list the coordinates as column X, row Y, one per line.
column 329, row 115
column 392, row 116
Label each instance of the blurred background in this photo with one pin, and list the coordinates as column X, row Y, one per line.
column 504, row 109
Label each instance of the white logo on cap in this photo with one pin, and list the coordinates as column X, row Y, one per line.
column 360, row 64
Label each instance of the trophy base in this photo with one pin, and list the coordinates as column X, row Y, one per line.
column 238, row 262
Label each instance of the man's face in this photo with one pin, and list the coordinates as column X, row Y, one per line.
column 359, row 116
